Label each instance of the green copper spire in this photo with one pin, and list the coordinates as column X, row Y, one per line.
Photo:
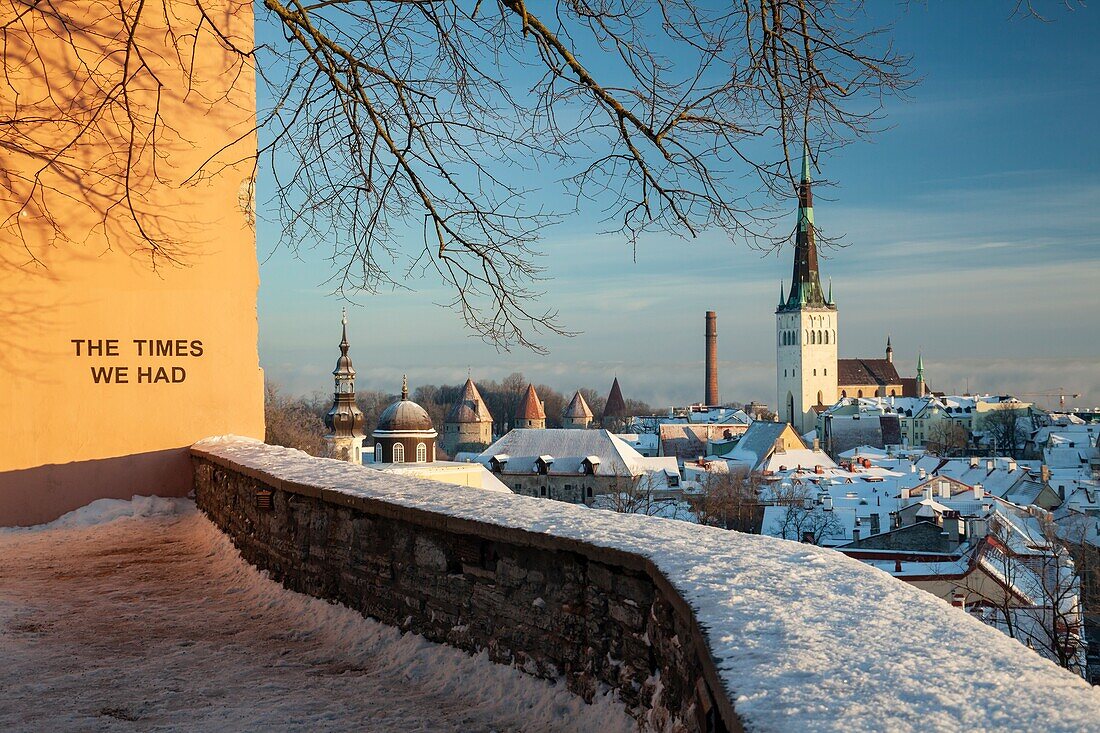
column 781, row 292
column 920, row 366
column 806, row 162
column 830, row 300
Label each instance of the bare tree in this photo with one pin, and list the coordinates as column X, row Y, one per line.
column 729, row 500
column 644, row 494
column 406, row 134
column 802, row 519
column 947, row 438
column 1035, row 596
column 291, row 422
column 1003, row 430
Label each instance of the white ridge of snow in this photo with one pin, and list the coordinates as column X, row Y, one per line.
column 141, row 615
column 804, row 638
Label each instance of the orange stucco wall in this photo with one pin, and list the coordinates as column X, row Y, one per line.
column 73, row 264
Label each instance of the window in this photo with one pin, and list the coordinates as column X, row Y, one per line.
column 819, row 340
column 826, row 337
column 826, row 372
column 398, row 453
column 843, row 393
column 813, row 337
column 569, row 487
column 518, row 488
column 815, row 374
column 542, row 491
column 820, row 398
column 378, row 452
column 421, row 453
column 859, row 393
column 588, row 491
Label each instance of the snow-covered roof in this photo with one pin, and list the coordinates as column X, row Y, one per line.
column 566, row 451
column 803, row 638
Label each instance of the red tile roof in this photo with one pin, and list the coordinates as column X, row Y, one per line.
column 874, row 372
column 530, row 408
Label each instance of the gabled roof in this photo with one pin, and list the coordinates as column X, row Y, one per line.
column 470, row 407
column 615, row 405
column 758, row 441
column 530, row 407
column 577, row 407
column 876, row 372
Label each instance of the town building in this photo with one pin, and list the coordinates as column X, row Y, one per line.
column 577, row 414
column 344, row 421
column 469, row 424
column 575, row 465
column 405, row 433
column 530, row 415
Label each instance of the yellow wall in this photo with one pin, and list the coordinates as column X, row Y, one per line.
column 72, row 265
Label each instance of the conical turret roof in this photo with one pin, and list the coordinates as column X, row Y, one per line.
column 470, row 408
column 530, row 407
column 577, row 407
column 615, row 405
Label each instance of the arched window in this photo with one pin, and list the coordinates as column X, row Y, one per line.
column 790, row 408
column 893, row 393
column 805, row 337
column 421, row 453
column 826, row 336
column 812, row 338
column 815, row 374
column 826, row 372
column 859, row 393
column 820, row 398
column 377, row 452
column 398, row 453
column 843, row 393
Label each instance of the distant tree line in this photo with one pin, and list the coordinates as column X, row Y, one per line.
column 298, row 422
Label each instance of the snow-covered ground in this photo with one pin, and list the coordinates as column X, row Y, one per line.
column 142, row 616
column 805, row 639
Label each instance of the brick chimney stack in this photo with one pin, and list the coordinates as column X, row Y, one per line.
column 712, row 359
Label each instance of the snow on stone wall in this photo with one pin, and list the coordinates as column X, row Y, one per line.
column 801, row 638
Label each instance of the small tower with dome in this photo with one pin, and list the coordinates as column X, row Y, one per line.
column 344, row 439
column 405, row 433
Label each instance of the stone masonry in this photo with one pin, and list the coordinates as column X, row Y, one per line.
column 555, row 608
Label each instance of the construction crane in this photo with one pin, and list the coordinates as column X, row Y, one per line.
column 1060, row 394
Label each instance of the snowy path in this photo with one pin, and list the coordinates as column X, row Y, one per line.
column 154, row 622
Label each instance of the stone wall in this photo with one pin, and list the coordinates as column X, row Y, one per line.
column 554, row 607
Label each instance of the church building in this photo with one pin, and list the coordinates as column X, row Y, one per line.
column 344, row 421
column 806, row 326
column 405, row 433
column 809, row 376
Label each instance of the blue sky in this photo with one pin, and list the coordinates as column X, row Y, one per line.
column 972, row 230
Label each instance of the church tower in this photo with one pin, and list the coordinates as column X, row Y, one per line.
column 805, row 326
column 344, row 421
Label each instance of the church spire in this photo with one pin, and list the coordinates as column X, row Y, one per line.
column 344, row 419
column 404, row 386
column 806, row 280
